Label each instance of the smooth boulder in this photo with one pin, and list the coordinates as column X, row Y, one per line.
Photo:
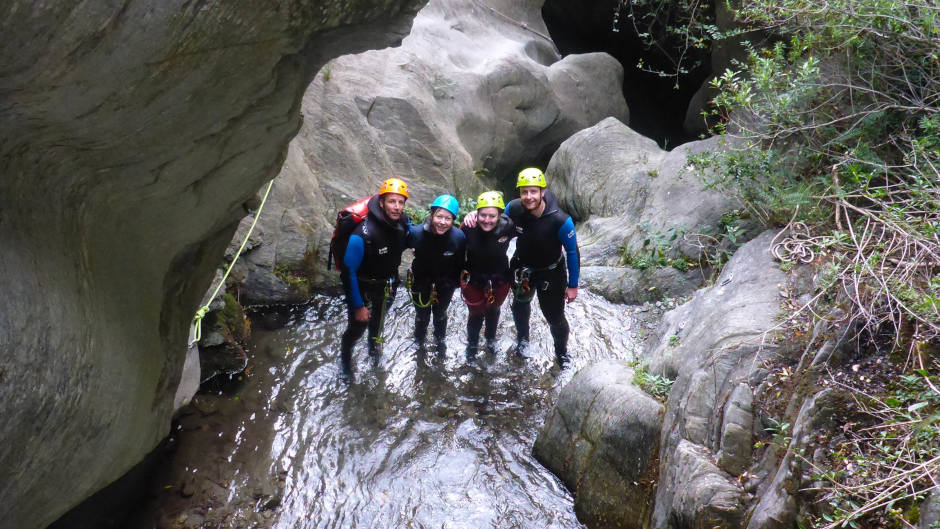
column 601, row 439
column 632, row 197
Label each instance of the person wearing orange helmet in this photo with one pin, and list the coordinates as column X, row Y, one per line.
column 369, row 270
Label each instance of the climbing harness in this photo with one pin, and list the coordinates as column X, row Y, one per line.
column 489, row 291
column 388, row 294
column 521, row 285
column 195, row 332
column 416, row 297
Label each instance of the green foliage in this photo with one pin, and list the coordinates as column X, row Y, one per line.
column 657, row 251
column 656, row 385
column 418, row 214
column 834, row 132
column 233, row 319
column 778, row 430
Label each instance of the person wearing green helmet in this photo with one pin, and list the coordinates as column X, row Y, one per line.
column 546, row 243
column 485, row 283
column 435, row 270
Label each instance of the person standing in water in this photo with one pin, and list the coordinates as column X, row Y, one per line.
column 370, row 268
column 547, row 242
column 439, row 257
column 485, row 284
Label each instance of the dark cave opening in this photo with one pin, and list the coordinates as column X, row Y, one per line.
column 658, row 104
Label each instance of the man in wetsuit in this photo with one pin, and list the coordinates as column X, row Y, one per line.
column 370, row 268
column 546, row 242
column 439, row 256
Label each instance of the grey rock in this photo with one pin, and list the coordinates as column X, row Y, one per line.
column 470, row 97
column 601, row 440
column 737, row 431
column 720, row 340
column 930, row 508
column 133, row 134
column 693, row 493
column 777, row 506
column 629, row 285
column 627, row 192
column 189, row 380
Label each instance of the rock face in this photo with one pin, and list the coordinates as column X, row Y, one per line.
column 601, row 440
column 714, row 347
column 133, row 134
column 629, row 285
column 626, row 191
column 473, row 94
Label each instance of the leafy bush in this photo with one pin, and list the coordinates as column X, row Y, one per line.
column 656, row 385
column 833, row 133
column 837, row 137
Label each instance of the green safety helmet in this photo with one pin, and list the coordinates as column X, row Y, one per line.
column 531, row 176
column 447, row 202
column 491, row 199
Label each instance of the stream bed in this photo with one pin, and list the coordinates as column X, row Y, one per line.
column 415, row 440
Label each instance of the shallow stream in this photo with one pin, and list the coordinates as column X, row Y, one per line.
column 414, row 441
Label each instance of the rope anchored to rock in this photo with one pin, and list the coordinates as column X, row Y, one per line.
column 196, row 328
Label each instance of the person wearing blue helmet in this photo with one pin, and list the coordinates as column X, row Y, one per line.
column 435, row 270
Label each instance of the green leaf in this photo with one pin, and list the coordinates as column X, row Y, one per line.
column 914, row 407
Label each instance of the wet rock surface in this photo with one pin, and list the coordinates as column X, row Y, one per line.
column 621, row 284
column 133, row 134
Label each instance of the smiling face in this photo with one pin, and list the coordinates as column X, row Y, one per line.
column 393, row 205
column 487, row 218
column 531, row 197
column 441, row 221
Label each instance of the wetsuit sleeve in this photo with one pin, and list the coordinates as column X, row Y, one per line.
column 461, row 238
column 570, row 242
column 414, row 233
column 353, row 259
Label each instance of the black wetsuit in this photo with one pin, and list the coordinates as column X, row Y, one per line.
column 370, row 275
column 539, row 262
column 487, row 283
column 435, row 273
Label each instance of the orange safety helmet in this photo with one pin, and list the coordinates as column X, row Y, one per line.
column 394, row 185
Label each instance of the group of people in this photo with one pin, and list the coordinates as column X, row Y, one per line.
column 471, row 257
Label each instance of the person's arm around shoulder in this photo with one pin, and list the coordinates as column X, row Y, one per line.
column 569, row 241
column 355, row 249
column 469, row 220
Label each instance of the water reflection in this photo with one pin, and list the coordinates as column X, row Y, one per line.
column 416, row 439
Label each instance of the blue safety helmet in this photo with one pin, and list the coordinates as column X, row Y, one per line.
column 447, row 202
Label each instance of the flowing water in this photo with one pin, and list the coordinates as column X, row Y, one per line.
column 415, row 440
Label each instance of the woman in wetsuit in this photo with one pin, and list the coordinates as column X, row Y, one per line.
column 438, row 260
column 485, row 283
